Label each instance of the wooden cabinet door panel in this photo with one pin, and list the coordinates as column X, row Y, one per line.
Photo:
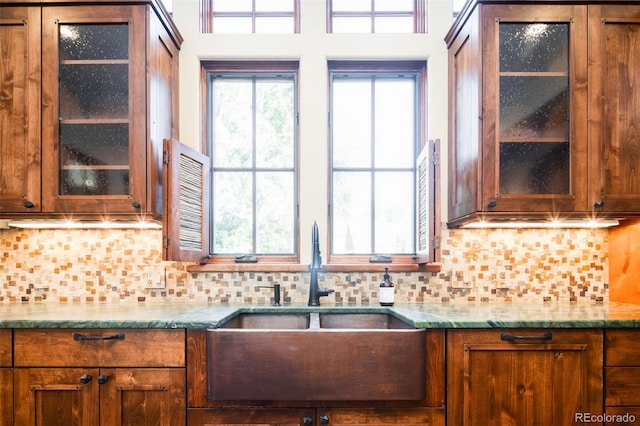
column 64, row 396
column 531, row 167
column 523, row 377
column 151, row 396
column 97, row 152
column 20, row 109
column 622, row 348
column 535, row 385
column 614, row 109
column 622, row 386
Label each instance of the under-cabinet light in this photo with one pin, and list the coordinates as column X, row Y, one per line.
column 549, row 224
column 83, row 224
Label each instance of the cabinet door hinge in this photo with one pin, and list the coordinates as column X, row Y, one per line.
column 435, row 242
column 435, row 158
column 166, row 157
column 165, row 241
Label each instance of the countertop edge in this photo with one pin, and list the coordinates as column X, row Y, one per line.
column 481, row 316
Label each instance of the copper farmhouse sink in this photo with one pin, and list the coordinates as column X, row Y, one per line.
column 316, row 357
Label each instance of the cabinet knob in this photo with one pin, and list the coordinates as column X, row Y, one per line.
column 492, row 203
column 136, row 204
column 28, row 204
column 102, row 379
column 85, row 378
column 307, row 420
column 598, row 203
column 324, row 419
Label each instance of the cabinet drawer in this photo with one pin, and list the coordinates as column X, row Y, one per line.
column 5, row 347
column 622, row 386
column 622, row 347
column 99, row 347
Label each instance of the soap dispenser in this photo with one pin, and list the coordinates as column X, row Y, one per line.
column 387, row 292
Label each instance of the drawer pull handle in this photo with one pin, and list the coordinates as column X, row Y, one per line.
column 511, row 337
column 80, row 337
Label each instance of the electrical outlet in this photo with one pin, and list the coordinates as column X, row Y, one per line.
column 148, row 279
column 153, row 279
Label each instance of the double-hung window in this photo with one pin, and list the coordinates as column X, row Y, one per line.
column 376, row 16
column 376, row 133
column 251, row 116
column 250, row 16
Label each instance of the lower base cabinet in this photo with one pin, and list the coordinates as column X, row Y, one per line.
column 523, row 377
column 622, row 376
column 310, row 417
column 81, row 396
column 99, row 377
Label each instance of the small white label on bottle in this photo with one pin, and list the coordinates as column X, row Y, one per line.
column 386, row 295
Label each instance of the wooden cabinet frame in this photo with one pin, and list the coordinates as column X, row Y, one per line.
column 531, row 376
column 604, row 180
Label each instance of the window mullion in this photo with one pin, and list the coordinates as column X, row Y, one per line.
column 373, row 163
column 253, row 16
column 254, row 164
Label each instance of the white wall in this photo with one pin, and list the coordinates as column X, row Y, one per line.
column 313, row 48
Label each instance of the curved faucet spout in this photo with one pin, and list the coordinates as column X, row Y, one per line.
column 315, row 291
column 316, row 259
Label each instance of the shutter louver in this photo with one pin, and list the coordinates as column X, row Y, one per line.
column 191, row 208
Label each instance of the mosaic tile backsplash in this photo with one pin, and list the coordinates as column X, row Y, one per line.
column 117, row 266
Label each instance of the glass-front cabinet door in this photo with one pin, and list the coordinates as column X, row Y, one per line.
column 534, row 132
column 94, row 109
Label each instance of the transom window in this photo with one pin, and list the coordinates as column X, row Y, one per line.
column 250, row 16
column 375, row 139
column 251, row 116
column 376, row 16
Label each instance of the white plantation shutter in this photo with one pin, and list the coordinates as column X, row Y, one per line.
column 428, row 239
column 186, row 203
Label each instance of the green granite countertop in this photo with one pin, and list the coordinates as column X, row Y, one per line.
column 481, row 315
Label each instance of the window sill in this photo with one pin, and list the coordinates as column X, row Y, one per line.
column 333, row 267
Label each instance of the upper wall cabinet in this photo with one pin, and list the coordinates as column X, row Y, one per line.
column 542, row 118
column 614, row 107
column 102, row 94
column 19, row 109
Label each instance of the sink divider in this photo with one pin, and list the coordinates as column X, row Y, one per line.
column 314, row 320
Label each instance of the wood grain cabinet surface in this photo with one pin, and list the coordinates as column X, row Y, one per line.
column 523, row 377
column 91, row 91
column 622, row 372
column 6, row 377
column 542, row 116
column 99, row 377
column 20, row 109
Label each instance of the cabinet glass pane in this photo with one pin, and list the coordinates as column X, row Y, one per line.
column 94, row 91
column 94, row 144
column 534, row 47
column 534, row 168
column 87, row 181
column 94, row 41
column 534, row 107
column 94, row 109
